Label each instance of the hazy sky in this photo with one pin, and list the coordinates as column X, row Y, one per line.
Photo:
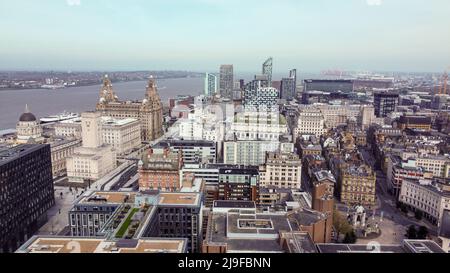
column 310, row 35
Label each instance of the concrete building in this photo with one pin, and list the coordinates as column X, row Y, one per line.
column 26, row 187
column 124, row 135
column 153, row 214
column 68, row 129
column 337, row 114
column 93, row 159
column 310, row 122
column 251, row 153
column 148, row 112
column 192, row 151
column 61, row 149
column 257, row 126
column 428, row 196
column 281, row 171
column 55, row 244
column 241, row 230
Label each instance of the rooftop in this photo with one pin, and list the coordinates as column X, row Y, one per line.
column 107, row 198
column 176, row 199
column 9, row 154
column 38, row 244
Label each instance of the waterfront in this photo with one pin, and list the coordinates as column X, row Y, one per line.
column 77, row 99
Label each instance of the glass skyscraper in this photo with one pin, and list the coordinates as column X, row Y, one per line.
column 210, row 84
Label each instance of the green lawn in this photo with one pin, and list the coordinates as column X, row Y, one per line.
column 126, row 223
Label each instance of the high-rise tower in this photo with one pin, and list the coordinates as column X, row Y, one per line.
column 226, row 81
column 267, row 69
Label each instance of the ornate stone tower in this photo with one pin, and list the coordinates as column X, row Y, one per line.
column 149, row 111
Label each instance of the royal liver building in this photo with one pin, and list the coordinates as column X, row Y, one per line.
column 149, row 111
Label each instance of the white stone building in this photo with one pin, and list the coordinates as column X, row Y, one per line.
column 124, row 135
column 28, row 128
column 429, row 197
column 94, row 159
column 281, row 170
column 310, row 122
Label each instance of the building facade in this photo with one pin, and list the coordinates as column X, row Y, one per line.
column 281, row 171
column 226, row 81
column 210, row 84
column 61, row 150
column 160, row 170
column 28, row 128
column 238, row 183
column 385, row 103
column 148, row 112
column 26, row 187
column 124, row 135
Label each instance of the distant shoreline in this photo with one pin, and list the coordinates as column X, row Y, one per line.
column 84, row 85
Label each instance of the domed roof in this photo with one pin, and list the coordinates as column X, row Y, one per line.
column 27, row 116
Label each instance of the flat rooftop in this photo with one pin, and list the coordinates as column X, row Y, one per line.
column 11, row 154
column 177, row 198
column 234, row 204
column 107, row 198
column 39, row 244
column 346, row 248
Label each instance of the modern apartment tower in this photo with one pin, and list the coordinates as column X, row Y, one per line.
column 226, row 81
column 385, row 103
column 210, row 84
column 267, row 69
column 26, row 187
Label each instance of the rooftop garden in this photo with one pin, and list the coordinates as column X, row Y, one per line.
column 126, row 224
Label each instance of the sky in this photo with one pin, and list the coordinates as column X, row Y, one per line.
column 199, row 35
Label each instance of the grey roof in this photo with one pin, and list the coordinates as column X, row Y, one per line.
column 27, row 117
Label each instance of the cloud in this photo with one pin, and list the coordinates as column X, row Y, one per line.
column 73, row 2
column 374, row 2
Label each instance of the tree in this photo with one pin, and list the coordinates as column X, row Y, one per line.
column 340, row 223
column 411, row 233
column 422, row 233
column 350, row 237
column 419, row 215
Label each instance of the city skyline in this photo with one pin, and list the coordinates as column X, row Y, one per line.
column 199, row 35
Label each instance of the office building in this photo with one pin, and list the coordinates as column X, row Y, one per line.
column 281, row 170
column 288, row 89
column 261, row 99
column 124, row 135
column 385, row 103
column 148, row 112
column 62, row 149
column 429, row 196
column 192, row 151
column 94, row 159
column 238, row 183
column 346, row 86
column 26, row 187
column 310, row 122
column 226, row 81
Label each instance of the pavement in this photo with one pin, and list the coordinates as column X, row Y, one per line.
column 57, row 215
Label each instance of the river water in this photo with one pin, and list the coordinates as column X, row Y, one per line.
column 43, row 102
